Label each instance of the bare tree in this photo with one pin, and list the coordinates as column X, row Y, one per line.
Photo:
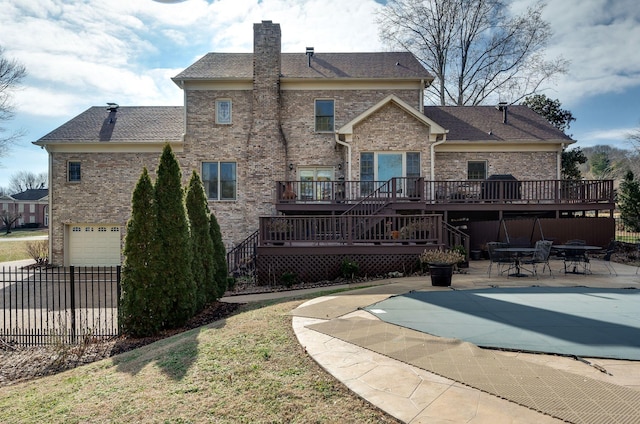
column 476, row 50
column 11, row 73
column 634, row 138
column 25, row 180
column 8, row 219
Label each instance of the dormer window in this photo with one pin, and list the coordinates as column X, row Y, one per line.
column 324, row 115
column 223, row 111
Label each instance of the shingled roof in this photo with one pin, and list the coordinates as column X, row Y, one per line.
column 485, row 123
column 31, row 194
column 378, row 65
column 127, row 124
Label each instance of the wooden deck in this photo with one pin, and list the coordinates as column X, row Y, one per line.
column 418, row 194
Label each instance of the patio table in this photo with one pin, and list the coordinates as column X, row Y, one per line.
column 518, row 253
column 583, row 249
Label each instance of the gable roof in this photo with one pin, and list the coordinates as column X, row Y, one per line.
column 485, row 123
column 129, row 124
column 434, row 128
column 376, row 65
column 31, row 194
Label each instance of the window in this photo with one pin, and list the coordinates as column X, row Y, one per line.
column 316, row 183
column 219, row 179
column 73, row 169
column 223, row 111
column 376, row 168
column 476, row 170
column 324, row 115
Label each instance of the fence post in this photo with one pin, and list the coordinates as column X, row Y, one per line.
column 73, row 304
column 118, row 293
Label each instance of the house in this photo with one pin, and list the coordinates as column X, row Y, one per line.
column 321, row 139
column 31, row 205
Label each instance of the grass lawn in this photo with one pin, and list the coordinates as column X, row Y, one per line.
column 14, row 249
column 248, row 368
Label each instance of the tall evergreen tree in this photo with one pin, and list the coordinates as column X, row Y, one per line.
column 629, row 202
column 141, row 297
column 220, row 256
column 173, row 239
column 203, row 265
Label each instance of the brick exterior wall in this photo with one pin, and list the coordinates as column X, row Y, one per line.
column 390, row 129
column 522, row 165
column 305, row 147
column 103, row 196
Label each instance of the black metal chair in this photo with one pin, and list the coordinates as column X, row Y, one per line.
column 607, row 257
column 500, row 259
column 540, row 256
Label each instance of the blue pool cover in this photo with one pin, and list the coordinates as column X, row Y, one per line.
column 580, row 321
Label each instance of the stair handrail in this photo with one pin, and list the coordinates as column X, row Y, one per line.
column 241, row 259
column 453, row 236
column 381, row 203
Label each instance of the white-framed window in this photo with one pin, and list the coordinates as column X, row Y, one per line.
column 74, row 172
column 316, row 182
column 223, row 111
column 324, row 115
column 476, row 170
column 219, row 180
column 381, row 167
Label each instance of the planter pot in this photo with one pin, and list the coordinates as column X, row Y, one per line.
column 441, row 274
column 475, row 255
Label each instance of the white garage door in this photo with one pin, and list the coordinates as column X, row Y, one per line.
column 94, row 245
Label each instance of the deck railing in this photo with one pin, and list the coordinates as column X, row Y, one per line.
column 350, row 229
column 419, row 189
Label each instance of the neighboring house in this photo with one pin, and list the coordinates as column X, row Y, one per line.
column 306, row 134
column 31, row 205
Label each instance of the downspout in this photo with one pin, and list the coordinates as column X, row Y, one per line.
column 432, row 170
column 348, row 146
column 422, row 96
column 184, row 101
column 559, row 161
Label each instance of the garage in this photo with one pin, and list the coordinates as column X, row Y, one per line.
column 94, row 245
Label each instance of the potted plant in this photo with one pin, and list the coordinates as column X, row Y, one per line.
column 460, row 249
column 441, row 263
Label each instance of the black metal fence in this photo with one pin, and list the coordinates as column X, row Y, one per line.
column 42, row 306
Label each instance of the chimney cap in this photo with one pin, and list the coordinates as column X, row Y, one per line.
column 112, row 106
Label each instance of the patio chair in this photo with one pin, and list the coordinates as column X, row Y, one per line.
column 540, row 256
column 499, row 258
column 574, row 259
column 607, row 257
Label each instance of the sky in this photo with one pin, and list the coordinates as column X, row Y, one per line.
column 83, row 53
